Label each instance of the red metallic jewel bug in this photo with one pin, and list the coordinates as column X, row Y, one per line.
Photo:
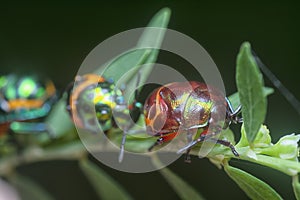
column 189, row 106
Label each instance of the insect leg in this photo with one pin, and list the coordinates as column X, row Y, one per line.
column 135, row 112
column 159, row 141
column 121, row 155
column 227, row 144
column 233, row 114
column 187, row 157
column 193, row 143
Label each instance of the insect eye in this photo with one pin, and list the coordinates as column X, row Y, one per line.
column 103, row 113
column 120, row 100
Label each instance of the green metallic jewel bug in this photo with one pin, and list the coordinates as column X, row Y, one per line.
column 22, row 100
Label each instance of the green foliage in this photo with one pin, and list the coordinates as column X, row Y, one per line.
column 126, row 66
column 296, row 187
column 235, row 99
column 250, row 87
column 252, row 186
column 181, row 187
column 104, row 185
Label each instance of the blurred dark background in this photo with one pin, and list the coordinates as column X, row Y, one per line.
column 51, row 39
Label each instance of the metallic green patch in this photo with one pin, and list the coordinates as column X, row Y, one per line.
column 3, row 81
column 27, row 88
column 11, row 92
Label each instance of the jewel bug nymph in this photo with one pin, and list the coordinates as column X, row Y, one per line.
column 93, row 95
column 24, row 100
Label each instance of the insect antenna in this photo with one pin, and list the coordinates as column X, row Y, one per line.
column 121, row 154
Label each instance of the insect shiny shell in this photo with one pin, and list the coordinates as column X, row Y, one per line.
column 24, row 98
column 190, row 107
column 94, row 95
column 95, row 102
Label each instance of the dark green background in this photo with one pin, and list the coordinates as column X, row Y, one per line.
column 52, row 39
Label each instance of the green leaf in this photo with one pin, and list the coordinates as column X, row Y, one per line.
column 252, row 186
column 296, row 187
column 28, row 189
column 286, row 148
column 182, row 188
column 288, row 167
column 235, row 99
column 151, row 39
column 105, row 186
column 262, row 139
column 281, row 156
column 59, row 120
column 146, row 52
column 250, row 87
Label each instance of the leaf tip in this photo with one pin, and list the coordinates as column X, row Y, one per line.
column 166, row 11
column 246, row 45
column 163, row 15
